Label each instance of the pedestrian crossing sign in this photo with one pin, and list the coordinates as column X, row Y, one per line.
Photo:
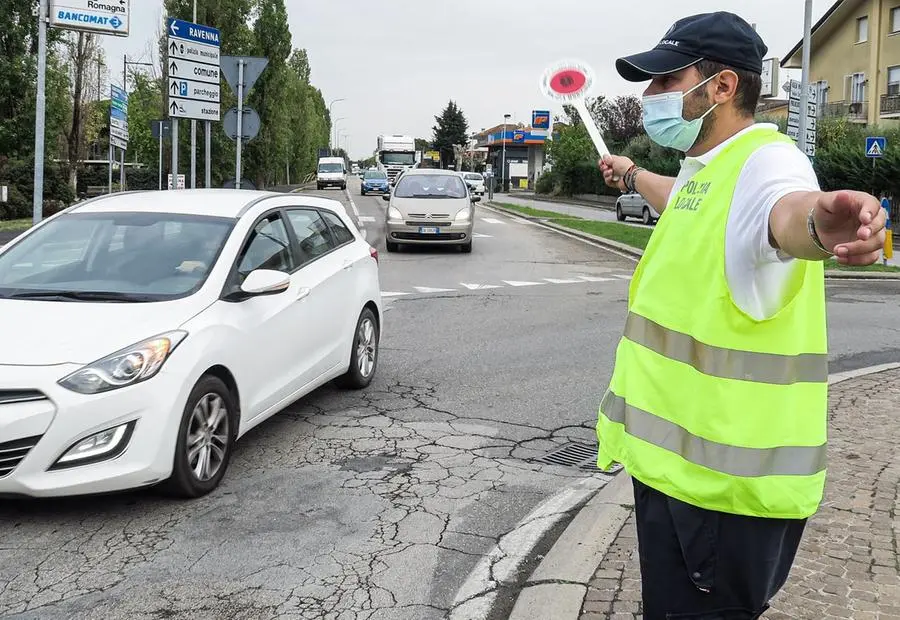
column 875, row 146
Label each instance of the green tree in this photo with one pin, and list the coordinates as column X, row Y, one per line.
column 451, row 130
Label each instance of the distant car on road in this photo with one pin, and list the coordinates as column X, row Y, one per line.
column 144, row 333
column 635, row 205
column 374, row 181
column 475, row 181
column 430, row 207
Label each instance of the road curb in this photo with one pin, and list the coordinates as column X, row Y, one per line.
column 557, row 587
column 571, row 201
column 636, row 254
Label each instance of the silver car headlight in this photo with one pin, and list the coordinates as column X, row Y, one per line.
column 394, row 213
column 464, row 215
column 128, row 366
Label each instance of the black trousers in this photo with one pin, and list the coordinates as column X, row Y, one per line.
column 698, row 564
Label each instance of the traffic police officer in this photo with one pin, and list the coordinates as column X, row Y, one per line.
column 718, row 402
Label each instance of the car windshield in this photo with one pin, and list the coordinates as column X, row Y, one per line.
column 374, row 174
column 430, row 186
column 123, row 257
column 331, row 168
column 474, row 177
column 398, row 159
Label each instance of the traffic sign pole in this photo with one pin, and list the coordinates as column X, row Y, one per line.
column 207, row 134
column 160, row 157
column 240, row 115
column 194, row 131
column 174, row 153
column 804, row 76
column 39, row 114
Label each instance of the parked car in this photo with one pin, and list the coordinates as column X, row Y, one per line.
column 634, row 205
column 475, row 182
column 374, row 181
column 144, row 333
column 430, row 207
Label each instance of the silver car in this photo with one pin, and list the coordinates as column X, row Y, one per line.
column 430, row 207
column 634, row 205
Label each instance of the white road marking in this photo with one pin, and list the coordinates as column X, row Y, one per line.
column 595, row 279
column 558, row 281
column 392, row 294
column 481, row 236
column 520, row 283
column 479, row 287
column 366, row 218
column 352, row 204
column 622, row 277
column 428, row 289
column 491, row 220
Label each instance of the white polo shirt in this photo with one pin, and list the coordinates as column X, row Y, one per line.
column 757, row 274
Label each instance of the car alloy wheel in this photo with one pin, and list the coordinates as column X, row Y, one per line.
column 364, row 354
column 646, row 216
column 207, row 437
column 619, row 215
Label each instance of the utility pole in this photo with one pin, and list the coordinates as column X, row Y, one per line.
column 333, row 101
column 804, row 75
column 194, row 132
column 40, row 114
column 503, row 163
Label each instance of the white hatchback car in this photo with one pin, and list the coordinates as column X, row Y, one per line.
column 475, row 181
column 144, row 333
column 635, row 205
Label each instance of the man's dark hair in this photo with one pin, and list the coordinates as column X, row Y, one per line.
column 748, row 88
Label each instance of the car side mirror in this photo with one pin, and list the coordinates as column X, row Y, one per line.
column 476, row 198
column 261, row 282
column 386, row 197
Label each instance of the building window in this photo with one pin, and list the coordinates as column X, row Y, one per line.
column 893, row 87
column 895, row 19
column 858, row 87
column 821, row 92
column 862, row 29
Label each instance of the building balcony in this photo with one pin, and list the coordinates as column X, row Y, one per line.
column 890, row 106
column 855, row 111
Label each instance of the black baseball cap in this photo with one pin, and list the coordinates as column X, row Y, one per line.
column 721, row 37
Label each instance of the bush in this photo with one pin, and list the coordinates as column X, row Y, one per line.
column 19, row 175
column 547, row 183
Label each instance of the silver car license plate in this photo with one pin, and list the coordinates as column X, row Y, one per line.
column 428, row 230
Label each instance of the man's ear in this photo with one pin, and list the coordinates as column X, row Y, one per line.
column 725, row 86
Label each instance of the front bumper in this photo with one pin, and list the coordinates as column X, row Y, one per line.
column 429, row 232
column 63, row 418
column 384, row 189
column 330, row 182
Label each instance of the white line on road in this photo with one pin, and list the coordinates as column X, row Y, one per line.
column 352, row 204
column 366, row 218
column 561, row 281
column 520, row 283
column 491, row 220
column 392, row 294
column 481, row 236
column 479, row 287
column 622, row 277
column 428, row 289
column 596, row 279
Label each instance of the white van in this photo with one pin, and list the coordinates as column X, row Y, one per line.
column 331, row 172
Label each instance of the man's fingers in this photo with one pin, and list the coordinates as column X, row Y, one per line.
column 863, row 247
column 860, row 260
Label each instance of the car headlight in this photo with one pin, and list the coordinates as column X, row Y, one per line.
column 129, row 366
column 394, row 213
column 464, row 216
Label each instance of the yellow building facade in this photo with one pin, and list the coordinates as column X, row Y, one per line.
column 855, row 61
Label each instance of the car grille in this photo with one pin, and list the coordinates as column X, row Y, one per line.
column 9, row 397
column 432, row 224
column 434, row 216
column 12, row 453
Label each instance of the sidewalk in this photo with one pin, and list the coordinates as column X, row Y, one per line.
column 847, row 566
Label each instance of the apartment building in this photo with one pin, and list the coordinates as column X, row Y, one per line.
column 855, row 61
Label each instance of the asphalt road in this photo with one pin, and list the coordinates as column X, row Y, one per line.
column 378, row 504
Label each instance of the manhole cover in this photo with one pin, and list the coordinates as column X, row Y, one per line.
column 577, row 455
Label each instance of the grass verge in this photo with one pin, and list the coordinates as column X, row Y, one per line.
column 877, row 267
column 15, row 225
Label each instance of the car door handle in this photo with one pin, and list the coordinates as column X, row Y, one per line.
column 303, row 293
column 348, row 264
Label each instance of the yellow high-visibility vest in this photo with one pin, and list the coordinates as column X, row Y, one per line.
column 707, row 404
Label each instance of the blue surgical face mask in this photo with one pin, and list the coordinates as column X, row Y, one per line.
column 664, row 120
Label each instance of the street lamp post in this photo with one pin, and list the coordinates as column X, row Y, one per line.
column 334, row 126
column 334, row 135
column 503, row 163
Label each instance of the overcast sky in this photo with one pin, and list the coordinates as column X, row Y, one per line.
column 398, row 62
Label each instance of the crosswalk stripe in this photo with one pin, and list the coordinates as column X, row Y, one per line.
column 622, row 277
column 481, row 236
column 392, row 294
column 491, row 220
column 595, row 279
column 520, row 283
column 559, row 281
column 479, row 287
column 428, row 289
column 366, row 218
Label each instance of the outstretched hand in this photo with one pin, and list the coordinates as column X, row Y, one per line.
column 851, row 225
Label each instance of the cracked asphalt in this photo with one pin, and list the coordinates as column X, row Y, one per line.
column 375, row 505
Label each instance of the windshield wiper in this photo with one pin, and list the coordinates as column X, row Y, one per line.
column 83, row 296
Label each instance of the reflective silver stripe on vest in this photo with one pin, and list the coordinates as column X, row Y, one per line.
column 727, row 363
column 732, row 460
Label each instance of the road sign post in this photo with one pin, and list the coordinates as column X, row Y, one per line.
column 193, row 63
column 118, row 129
column 802, row 120
column 241, row 73
column 39, row 115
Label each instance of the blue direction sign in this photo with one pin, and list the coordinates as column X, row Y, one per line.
column 875, row 146
column 118, row 115
column 193, row 65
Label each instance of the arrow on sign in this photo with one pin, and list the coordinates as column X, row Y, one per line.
column 175, row 89
column 173, row 107
column 173, row 68
column 173, row 28
column 173, row 48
